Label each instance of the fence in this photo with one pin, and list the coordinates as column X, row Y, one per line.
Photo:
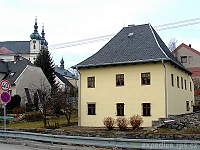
column 108, row 142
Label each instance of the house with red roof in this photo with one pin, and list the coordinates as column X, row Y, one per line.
column 190, row 59
column 6, row 54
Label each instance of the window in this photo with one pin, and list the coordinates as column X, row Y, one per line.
column 145, row 78
column 91, row 82
column 181, row 82
column 172, row 79
column 190, row 86
column 120, row 109
column 187, row 106
column 11, row 74
column 185, row 84
column 146, row 109
column 27, row 95
column 178, row 82
column 91, row 109
column 119, row 79
column 190, row 59
column 183, row 59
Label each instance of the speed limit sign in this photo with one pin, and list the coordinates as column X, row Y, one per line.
column 5, row 85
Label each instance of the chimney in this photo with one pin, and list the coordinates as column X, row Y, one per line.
column 16, row 58
column 131, row 25
column 189, row 45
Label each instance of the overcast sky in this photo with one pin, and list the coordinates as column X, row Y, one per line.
column 72, row 20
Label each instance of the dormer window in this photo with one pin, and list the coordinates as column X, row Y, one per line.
column 11, row 74
column 130, row 35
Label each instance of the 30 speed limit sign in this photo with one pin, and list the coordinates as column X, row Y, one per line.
column 5, row 85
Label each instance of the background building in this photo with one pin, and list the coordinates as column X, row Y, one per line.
column 27, row 49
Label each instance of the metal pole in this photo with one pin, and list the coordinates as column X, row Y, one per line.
column 4, row 116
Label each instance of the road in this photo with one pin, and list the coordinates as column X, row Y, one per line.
column 17, row 147
column 30, row 145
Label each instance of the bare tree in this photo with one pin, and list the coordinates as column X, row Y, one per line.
column 67, row 100
column 172, row 44
column 196, row 82
column 42, row 98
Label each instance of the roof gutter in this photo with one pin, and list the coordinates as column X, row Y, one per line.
column 79, row 97
column 119, row 63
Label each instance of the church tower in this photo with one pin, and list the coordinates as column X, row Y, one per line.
column 44, row 43
column 62, row 64
column 35, row 43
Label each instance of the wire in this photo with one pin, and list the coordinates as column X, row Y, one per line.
column 108, row 37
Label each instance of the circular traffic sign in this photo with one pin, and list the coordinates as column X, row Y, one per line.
column 5, row 85
column 5, row 97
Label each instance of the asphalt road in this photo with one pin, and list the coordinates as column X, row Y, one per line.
column 4, row 146
column 29, row 145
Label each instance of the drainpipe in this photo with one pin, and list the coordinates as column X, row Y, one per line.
column 79, row 97
column 165, row 89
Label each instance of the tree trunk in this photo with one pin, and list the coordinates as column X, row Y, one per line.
column 45, row 115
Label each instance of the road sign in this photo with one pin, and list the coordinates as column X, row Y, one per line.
column 5, row 85
column 5, row 97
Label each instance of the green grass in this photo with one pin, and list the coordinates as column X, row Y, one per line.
column 40, row 124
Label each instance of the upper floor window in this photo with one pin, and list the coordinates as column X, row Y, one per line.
column 120, row 109
column 172, row 79
column 190, row 86
column 178, row 82
column 119, row 79
column 183, row 59
column 182, row 82
column 145, row 78
column 190, row 59
column 91, row 82
column 91, row 109
column 146, row 107
column 185, row 84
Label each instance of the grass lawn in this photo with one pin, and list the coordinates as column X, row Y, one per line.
column 40, row 124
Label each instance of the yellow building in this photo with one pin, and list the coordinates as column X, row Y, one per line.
column 134, row 73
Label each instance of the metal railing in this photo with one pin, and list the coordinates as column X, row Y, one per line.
column 108, row 142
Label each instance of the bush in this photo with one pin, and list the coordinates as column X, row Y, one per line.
column 109, row 123
column 33, row 116
column 122, row 123
column 136, row 121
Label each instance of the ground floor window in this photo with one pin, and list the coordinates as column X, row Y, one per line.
column 120, row 109
column 187, row 105
column 146, row 107
column 91, row 109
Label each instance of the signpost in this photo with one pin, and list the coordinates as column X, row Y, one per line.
column 5, row 85
column 5, row 96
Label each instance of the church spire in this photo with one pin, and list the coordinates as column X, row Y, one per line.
column 43, row 34
column 35, row 34
column 35, row 26
column 43, row 41
column 62, row 64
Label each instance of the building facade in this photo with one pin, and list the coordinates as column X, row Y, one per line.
column 134, row 73
column 190, row 58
